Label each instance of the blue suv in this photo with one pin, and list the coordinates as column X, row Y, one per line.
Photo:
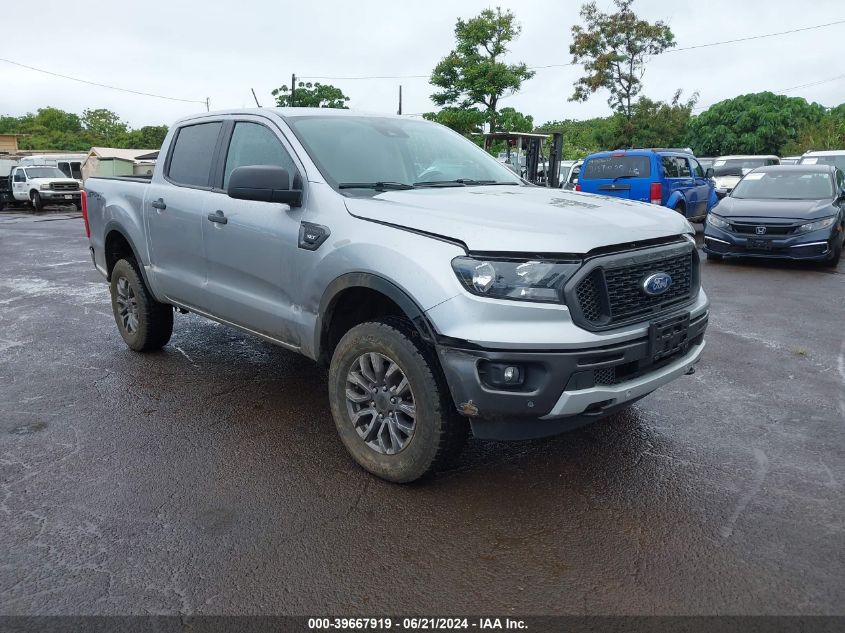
column 668, row 177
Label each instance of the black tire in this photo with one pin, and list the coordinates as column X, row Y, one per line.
column 681, row 208
column 713, row 257
column 439, row 431
column 153, row 324
column 37, row 202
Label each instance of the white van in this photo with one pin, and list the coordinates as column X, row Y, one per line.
column 69, row 164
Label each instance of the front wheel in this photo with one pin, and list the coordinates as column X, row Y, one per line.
column 144, row 323
column 37, row 202
column 390, row 402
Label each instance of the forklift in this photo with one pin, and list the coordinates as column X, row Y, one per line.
column 526, row 154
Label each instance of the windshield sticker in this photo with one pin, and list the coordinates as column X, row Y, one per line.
column 719, row 163
column 809, row 161
column 755, row 176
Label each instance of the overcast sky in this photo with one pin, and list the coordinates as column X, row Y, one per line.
column 194, row 50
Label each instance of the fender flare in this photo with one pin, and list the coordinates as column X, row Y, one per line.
column 373, row 282
column 674, row 199
column 113, row 226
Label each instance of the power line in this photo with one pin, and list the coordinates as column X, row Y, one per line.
column 754, row 37
column 94, row 83
column 671, row 50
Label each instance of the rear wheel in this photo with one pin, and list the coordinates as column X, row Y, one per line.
column 390, row 402
column 144, row 323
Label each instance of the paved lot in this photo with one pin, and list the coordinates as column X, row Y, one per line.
column 208, row 478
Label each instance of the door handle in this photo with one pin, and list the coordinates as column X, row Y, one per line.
column 158, row 204
column 218, row 217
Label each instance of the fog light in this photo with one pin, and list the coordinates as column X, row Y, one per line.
column 501, row 374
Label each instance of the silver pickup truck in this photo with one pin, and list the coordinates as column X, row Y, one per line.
column 440, row 289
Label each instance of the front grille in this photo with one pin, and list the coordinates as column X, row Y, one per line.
column 606, row 376
column 612, row 293
column 771, row 229
column 64, row 186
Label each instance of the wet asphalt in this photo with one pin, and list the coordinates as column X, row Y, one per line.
column 208, row 478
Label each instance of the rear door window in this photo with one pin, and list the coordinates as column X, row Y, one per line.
column 670, row 167
column 193, row 153
column 611, row 167
column 683, row 167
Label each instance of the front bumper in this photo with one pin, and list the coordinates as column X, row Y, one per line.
column 562, row 389
column 49, row 194
column 816, row 245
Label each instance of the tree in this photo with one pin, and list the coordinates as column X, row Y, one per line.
column 657, row 123
column 308, row 95
column 509, row 120
column 104, row 125
column 473, row 74
column 761, row 123
column 466, row 121
column 613, row 49
column 827, row 133
column 147, row 137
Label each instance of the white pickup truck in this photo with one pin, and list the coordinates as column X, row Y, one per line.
column 43, row 184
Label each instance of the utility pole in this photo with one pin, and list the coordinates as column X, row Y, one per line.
column 258, row 105
column 207, row 108
column 400, row 99
column 292, row 89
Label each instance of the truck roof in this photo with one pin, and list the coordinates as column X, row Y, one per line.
column 285, row 113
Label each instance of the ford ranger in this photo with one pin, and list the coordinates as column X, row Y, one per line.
column 440, row 290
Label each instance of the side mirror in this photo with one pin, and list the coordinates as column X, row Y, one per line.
column 709, row 173
column 264, row 183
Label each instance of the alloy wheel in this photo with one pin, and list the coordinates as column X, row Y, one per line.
column 380, row 403
column 127, row 306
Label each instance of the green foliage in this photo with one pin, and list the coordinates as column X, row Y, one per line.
column 473, row 74
column 311, row 95
column 656, row 123
column 652, row 124
column 466, row 121
column 613, row 48
column 509, row 120
column 761, row 123
column 104, row 124
column 54, row 129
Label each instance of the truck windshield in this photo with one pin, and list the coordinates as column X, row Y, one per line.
column 739, row 166
column 352, row 149
column 793, row 185
column 44, row 172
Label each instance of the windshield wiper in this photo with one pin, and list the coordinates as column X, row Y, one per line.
column 460, row 182
column 382, row 185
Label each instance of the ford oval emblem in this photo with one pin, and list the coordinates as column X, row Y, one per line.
column 657, row 283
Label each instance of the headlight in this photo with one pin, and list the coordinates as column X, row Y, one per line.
column 715, row 220
column 42, row 187
column 817, row 225
column 518, row 280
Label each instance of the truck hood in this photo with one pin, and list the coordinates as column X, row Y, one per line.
column 520, row 219
column 787, row 209
column 47, row 181
column 726, row 182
